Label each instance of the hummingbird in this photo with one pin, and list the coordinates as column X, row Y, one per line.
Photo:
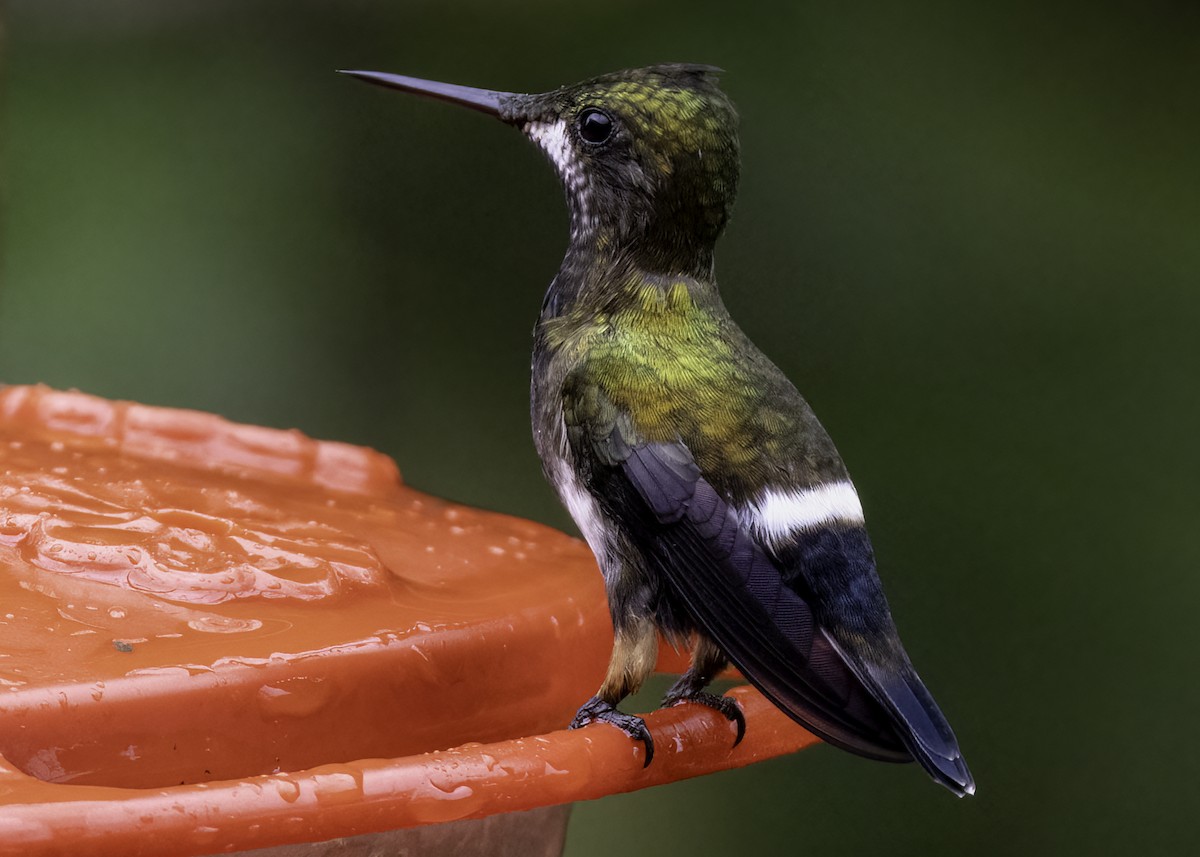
column 718, row 509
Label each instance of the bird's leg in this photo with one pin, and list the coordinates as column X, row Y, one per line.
column 707, row 661
column 635, row 650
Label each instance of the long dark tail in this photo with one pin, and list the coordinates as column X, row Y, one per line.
column 919, row 722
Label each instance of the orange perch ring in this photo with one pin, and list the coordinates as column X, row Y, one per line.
column 211, row 633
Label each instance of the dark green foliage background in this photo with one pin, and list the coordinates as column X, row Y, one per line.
column 970, row 233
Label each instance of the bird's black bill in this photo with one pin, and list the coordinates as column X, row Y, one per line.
column 484, row 100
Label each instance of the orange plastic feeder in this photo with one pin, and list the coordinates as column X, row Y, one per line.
column 217, row 637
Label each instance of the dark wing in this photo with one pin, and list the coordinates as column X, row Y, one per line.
column 728, row 585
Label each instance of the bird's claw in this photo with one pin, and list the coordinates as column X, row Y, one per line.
column 597, row 710
column 724, row 704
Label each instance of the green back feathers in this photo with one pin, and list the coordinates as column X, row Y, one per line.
column 667, row 363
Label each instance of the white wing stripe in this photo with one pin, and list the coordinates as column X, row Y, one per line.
column 778, row 514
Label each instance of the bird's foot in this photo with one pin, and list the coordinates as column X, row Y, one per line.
column 597, row 710
column 724, row 704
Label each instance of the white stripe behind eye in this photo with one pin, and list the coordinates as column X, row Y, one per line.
column 555, row 140
column 779, row 514
column 552, row 137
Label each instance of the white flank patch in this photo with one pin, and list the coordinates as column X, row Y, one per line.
column 780, row 514
column 555, row 141
column 580, row 504
column 584, row 512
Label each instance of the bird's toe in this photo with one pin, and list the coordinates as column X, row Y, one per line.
column 596, row 710
column 727, row 706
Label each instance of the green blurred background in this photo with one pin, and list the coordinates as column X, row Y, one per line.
column 971, row 235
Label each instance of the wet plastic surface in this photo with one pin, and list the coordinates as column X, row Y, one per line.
column 194, row 613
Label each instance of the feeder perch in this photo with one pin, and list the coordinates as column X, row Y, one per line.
column 216, row 638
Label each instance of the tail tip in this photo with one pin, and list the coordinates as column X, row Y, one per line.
column 954, row 775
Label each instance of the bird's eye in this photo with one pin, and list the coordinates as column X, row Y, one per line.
column 595, row 126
